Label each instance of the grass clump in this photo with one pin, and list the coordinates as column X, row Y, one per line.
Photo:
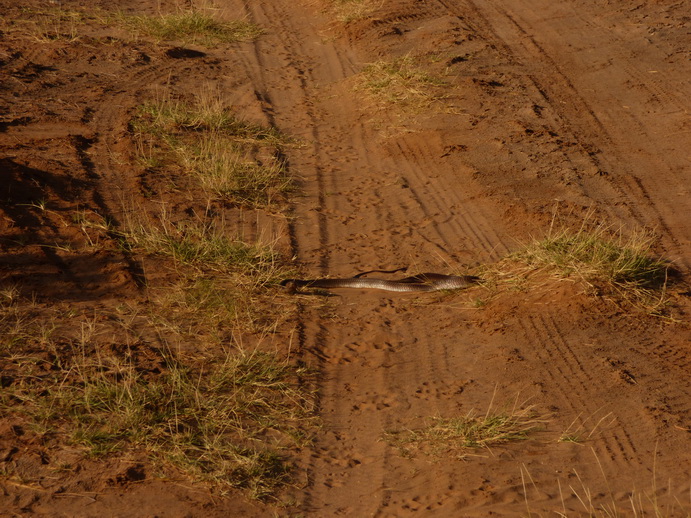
column 577, row 433
column 54, row 24
column 347, row 11
column 205, row 113
column 399, row 82
column 609, row 261
column 458, row 436
column 206, row 247
column 191, row 26
column 224, row 282
column 224, row 171
column 229, row 158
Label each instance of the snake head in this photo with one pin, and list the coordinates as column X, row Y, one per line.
column 290, row 285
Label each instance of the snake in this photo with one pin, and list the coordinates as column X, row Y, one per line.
column 422, row 282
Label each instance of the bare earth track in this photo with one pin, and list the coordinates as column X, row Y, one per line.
column 574, row 107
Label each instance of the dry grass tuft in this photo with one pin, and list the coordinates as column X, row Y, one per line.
column 347, row 11
column 190, row 26
column 206, row 246
column 577, row 432
column 459, row 436
column 399, row 82
column 597, row 499
column 51, row 23
column 617, row 266
column 599, row 256
column 224, row 284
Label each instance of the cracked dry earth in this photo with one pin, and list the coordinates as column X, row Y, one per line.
column 542, row 106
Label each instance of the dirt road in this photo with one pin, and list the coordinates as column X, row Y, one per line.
column 580, row 104
column 540, row 107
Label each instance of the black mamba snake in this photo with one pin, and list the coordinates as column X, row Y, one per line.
column 421, row 282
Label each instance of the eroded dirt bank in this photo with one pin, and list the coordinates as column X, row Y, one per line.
column 531, row 109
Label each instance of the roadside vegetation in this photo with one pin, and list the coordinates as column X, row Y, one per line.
column 50, row 23
column 194, row 370
column 221, row 416
column 205, row 245
column 601, row 258
column 595, row 498
column 194, row 25
column 230, row 159
column 193, row 374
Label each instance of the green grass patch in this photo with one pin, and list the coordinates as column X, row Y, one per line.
column 205, row 246
column 225, row 284
column 191, row 26
column 228, row 173
column 205, row 113
column 610, row 261
column 50, row 23
column 229, row 158
column 214, row 420
column 165, row 372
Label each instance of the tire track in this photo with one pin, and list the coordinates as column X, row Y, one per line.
column 348, row 468
column 550, row 355
column 332, row 473
column 112, row 183
column 421, row 376
column 674, row 361
column 106, row 210
column 351, row 459
column 450, row 221
column 322, row 179
column 576, row 385
column 655, row 366
column 383, row 24
column 374, row 354
column 623, row 179
column 83, row 138
column 297, row 112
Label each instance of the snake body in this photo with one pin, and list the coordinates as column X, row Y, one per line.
column 416, row 283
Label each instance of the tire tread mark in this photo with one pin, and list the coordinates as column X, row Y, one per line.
column 628, row 187
column 572, row 380
column 462, row 223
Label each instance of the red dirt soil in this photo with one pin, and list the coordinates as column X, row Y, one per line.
column 574, row 107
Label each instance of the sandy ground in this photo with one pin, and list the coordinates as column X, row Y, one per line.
column 573, row 107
